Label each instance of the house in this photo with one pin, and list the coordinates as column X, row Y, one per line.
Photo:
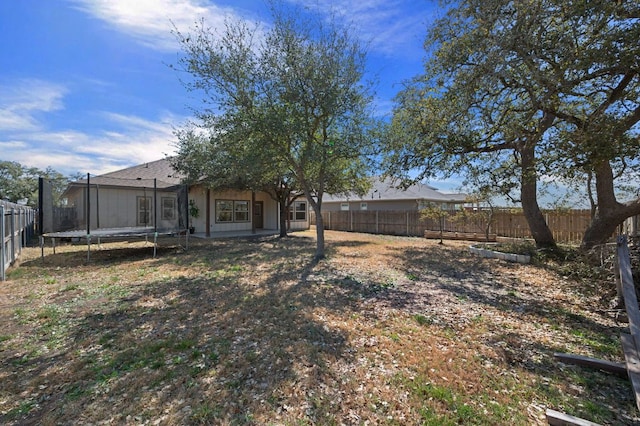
column 153, row 195
column 384, row 195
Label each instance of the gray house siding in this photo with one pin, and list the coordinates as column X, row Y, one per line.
column 385, row 196
column 116, row 207
column 382, row 205
column 125, row 199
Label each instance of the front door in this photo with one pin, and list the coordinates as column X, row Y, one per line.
column 258, row 218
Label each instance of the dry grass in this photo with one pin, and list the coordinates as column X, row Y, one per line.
column 386, row 330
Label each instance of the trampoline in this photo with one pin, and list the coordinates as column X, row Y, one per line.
column 107, row 200
column 99, row 235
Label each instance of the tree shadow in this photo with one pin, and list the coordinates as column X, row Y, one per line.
column 457, row 279
column 238, row 339
column 233, row 332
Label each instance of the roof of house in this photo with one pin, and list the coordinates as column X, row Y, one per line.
column 140, row 176
column 386, row 189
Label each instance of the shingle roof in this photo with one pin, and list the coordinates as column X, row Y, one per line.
column 387, row 190
column 139, row 176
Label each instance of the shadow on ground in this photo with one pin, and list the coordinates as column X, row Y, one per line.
column 227, row 335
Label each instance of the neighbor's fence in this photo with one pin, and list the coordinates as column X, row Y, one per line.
column 16, row 229
column 566, row 226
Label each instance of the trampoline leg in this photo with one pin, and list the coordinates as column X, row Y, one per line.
column 42, row 248
column 155, row 244
column 88, row 248
column 53, row 244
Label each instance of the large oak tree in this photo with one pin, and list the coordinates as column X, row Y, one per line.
column 294, row 90
column 519, row 90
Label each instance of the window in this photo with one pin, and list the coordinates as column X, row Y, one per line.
column 241, row 211
column 298, row 211
column 144, row 211
column 228, row 211
column 363, row 206
column 301, row 210
column 224, row 211
column 168, row 208
column 344, row 206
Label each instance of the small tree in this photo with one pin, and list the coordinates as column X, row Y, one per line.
column 479, row 217
column 436, row 213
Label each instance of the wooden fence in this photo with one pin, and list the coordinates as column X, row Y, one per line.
column 567, row 227
column 16, row 230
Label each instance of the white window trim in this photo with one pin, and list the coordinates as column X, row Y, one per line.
column 235, row 204
column 218, row 211
column 144, row 210
column 296, row 209
column 168, row 212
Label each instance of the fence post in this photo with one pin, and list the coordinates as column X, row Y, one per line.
column 13, row 236
column 377, row 221
column 2, row 245
column 407, row 224
column 21, row 223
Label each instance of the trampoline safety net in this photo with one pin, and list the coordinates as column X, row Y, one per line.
column 105, row 206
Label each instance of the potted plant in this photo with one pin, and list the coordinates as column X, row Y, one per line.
column 194, row 212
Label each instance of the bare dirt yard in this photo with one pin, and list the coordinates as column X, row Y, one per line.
column 384, row 331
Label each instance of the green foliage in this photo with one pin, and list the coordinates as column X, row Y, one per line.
column 204, row 414
column 194, row 211
column 515, row 90
column 480, row 218
column 524, row 247
column 423, row 320
column 289, row 107
column 436, row 213
column 456, row 409
column 20, row 183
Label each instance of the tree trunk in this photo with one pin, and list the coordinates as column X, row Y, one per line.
column 610, row 212
column 283, row 217
column 602, row 227
column 529, row 198
column 319, row 233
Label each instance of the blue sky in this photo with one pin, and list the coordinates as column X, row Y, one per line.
column 85, row 84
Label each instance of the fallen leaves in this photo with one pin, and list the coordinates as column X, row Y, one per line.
column 386, row 330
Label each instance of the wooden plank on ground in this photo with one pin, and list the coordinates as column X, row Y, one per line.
column 628, row 288
column 633, row 364
column 617, row 368
column 556, row 418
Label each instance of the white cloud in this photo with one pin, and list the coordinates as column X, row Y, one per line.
column 150, row 21
column 124, row 141
column 27, row 137
column 11, row 120
column 391, row 26
column 12, row 145
column 21, row 100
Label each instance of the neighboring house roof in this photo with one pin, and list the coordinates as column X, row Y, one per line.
column 386, row 190
column 140, row 176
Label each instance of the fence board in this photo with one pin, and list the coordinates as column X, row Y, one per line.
column 566, row 226
column 16, row 230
